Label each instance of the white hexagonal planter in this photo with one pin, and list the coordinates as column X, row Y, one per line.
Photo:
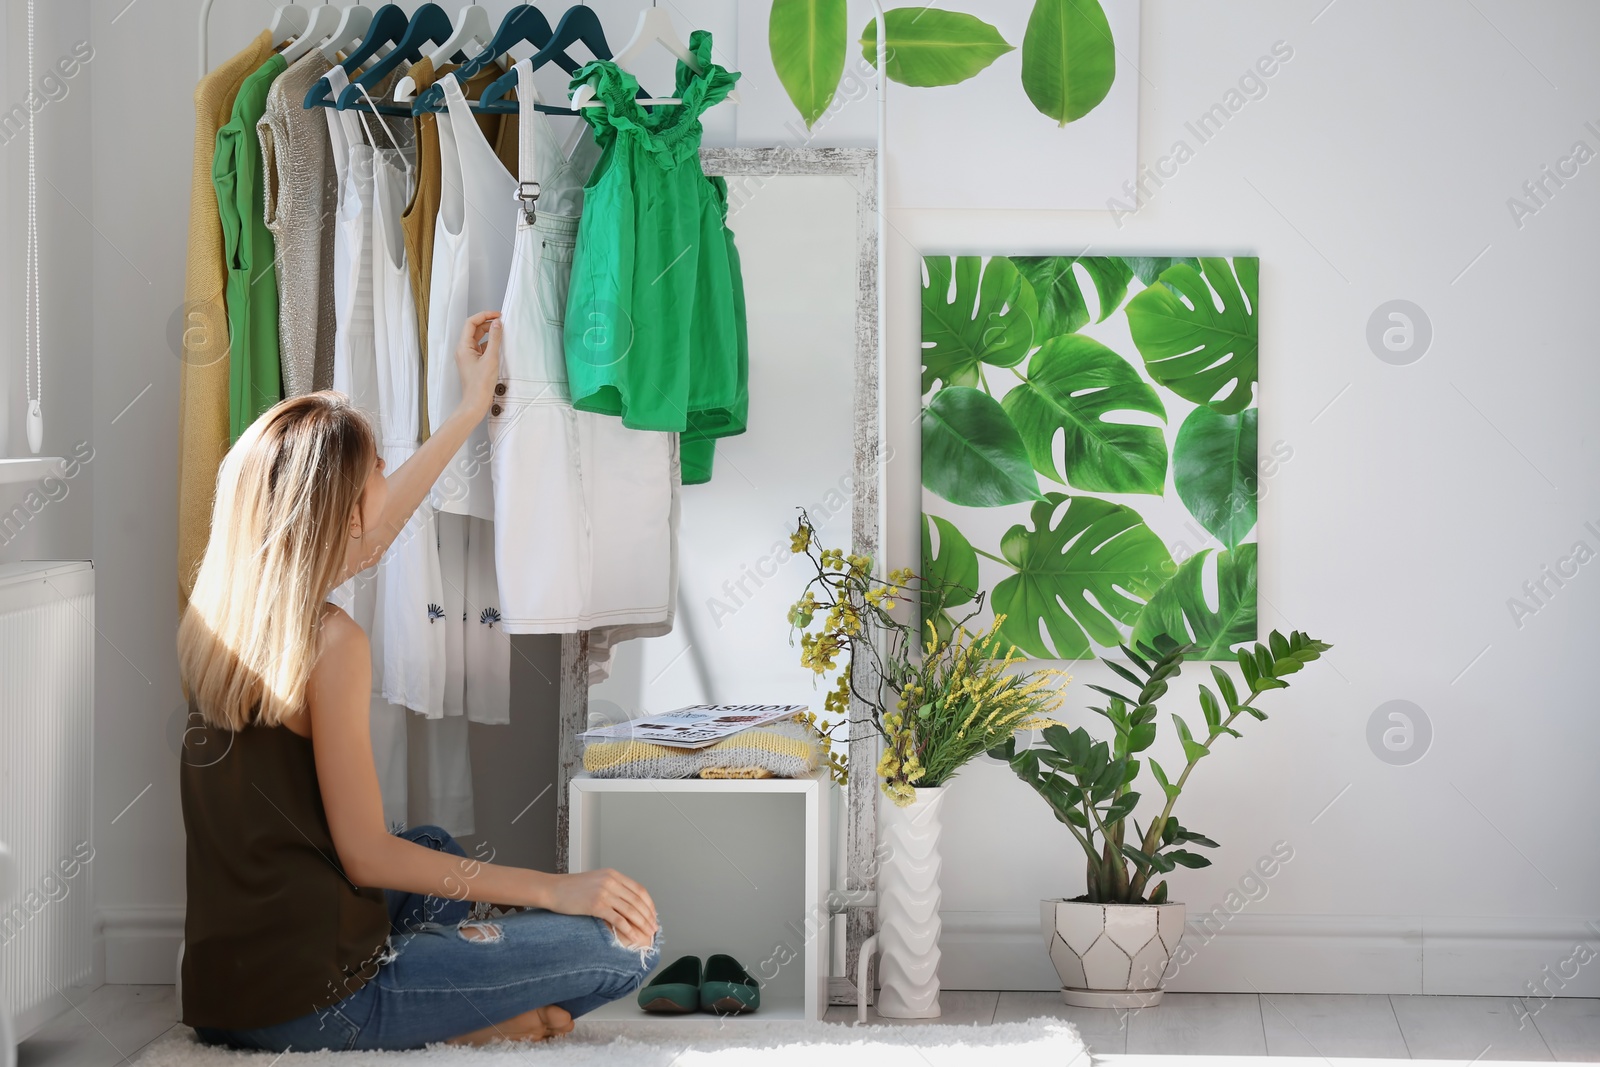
column 1110, row 955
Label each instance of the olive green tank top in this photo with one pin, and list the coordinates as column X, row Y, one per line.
column 274, row 929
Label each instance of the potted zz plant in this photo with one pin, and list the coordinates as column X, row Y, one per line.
column 1111, row 946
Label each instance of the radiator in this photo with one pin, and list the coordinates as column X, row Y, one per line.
column 46, row 773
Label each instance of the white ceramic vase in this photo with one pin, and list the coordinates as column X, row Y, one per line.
column 908, row 906
column 1111, row 955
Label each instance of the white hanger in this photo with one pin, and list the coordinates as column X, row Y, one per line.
column 290, row 20
column 472, row 28
column 472, row 35
column 655, row 27
column 323, row 21
column 352, row 27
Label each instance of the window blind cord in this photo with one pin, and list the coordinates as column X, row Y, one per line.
column 32, row 336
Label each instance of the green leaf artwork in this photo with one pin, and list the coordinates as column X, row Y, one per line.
column 1083, row 565
column 1068, row 58
column 1072, row 387
column 928, row 46
column 1199, row 345
column 1061, row 431
column 951, row 566
column 1180, row 611
column 1148, row 268
column 971, row 453
column 1062, row 308
column 809, row 40
column 973, row 313
column 1214, row 470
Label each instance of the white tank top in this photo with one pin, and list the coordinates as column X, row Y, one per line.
column 472, row 247
column 398, row 365
column 354, row 346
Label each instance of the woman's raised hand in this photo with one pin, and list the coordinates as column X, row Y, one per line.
column 478, row 361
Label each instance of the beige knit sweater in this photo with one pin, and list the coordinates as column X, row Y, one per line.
column 302, row 199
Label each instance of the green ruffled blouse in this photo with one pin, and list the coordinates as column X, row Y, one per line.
column 655, row 329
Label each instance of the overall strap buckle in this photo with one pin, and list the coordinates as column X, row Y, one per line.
column 528, row 194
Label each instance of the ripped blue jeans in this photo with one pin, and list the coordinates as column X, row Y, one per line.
column 447, row 974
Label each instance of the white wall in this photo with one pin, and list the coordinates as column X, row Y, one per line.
column 38, row 519
column 1377, row 166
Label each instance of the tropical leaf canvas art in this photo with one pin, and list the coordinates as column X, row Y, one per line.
column 1089, row 449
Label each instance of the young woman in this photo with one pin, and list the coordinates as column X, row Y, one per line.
column 309, row 924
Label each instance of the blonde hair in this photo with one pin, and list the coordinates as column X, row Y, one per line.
column 279, row 536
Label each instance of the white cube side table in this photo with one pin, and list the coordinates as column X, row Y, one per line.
column 736, row 866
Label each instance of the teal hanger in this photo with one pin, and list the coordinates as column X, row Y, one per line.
column 580, row 25
column 387, row 27
column 430, row 25
column 522, row 23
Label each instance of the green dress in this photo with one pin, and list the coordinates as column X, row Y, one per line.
column 255, row 378
column 655, row 329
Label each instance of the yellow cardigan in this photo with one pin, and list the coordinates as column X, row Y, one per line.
column 203, row 374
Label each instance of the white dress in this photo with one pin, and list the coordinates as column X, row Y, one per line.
column 378, row 363
column 410, row 591
column 585, row 508
column 471, row 259
column 355, row 375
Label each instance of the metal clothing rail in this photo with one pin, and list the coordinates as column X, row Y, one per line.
column 205, row 35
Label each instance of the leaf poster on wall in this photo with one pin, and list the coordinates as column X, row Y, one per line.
column 1089, row 448
column 976, row 86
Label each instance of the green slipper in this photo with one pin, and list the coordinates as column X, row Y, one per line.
column 727, row 988
column 675, row 989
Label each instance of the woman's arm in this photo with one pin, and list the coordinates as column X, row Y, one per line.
column 478, row 361
column 338, row 695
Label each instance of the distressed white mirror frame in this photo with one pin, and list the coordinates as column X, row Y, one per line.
column 745, row 170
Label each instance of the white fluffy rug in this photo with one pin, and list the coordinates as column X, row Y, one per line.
column 684, row 1043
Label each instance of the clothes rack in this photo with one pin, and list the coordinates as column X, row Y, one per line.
column 860, row 816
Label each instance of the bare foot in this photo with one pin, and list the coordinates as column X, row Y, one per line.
column 536, row 1025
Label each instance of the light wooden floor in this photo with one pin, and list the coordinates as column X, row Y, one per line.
column 112, row 1024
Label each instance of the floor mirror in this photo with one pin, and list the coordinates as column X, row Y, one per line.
column 807, row 230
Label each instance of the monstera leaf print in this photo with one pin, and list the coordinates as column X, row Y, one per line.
column 1068, row 58
column 971, row 453
column 1202, row 347
column 1074, row 385
column 1083, row 566
column 949, row 572
column 1148, row 268
column 973, row 313
column 1214, row 469
column 1062, row 308
column 1180, row 611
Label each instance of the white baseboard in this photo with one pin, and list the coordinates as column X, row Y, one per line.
column 1310, row 954
column 140, row 944
column 1272, row 953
